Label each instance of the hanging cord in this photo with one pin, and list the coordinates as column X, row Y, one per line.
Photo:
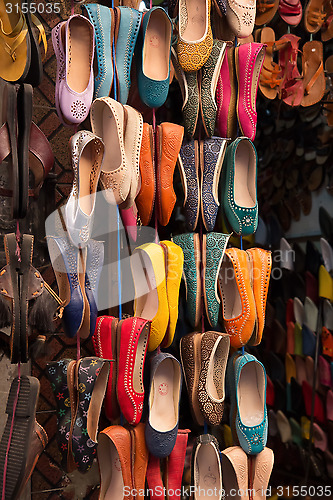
column 119, row 265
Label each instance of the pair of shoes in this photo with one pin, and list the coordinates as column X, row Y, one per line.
column 24, row 147
column 200, row 164
column 198, row 90
column 246, row 379
column 26, row 300
column 242, row 64
column 74, row 44
column 243, row 284
column 158, row 157
column 164, row 397
column 213, row 248
column 246, row 473
column 122, row 459
column 28, row 438
column 20, row 55
column 77, row 272
column 204, row 359
column 157, row 271
column 120, row 128
column 125, row 342
column 79, row 388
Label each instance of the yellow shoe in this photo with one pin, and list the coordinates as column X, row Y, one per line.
column 305, row 426
column 174, row 261
column 148, row 271
column 290, row 368
column 325, row 284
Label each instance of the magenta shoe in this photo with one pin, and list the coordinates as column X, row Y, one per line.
column 249, row 58
column 74, row 45
column 226, row 97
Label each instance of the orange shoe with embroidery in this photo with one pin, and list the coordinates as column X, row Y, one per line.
column 146, row 196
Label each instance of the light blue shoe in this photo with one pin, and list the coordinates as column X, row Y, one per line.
column 239, row 186
column 153, row 54
column 129, row 26
column 250, row 410
column 102, row 19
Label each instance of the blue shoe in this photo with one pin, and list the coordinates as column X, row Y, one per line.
column 66, row 265
column 153, row 54
column 128, row 22
column 251, row 421
column 164, row 396
column 102, row 19
column 95, row 260
column 308, row 341
column 188, row 164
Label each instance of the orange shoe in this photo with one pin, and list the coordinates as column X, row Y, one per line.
column 261, row 265
column 146, row 196
column 239, row 309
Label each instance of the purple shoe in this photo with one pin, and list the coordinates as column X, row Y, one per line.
column 75, row 79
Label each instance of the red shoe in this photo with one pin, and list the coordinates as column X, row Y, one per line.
column 319, row 413
column 290, row 311
column 132, row 343
column 175, row 466
column 154, row 479
column 104, row 340
column 312, row 287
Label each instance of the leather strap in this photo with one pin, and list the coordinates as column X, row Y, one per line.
column 16, row 36
column 320, row 69
column 4, row 142
column 40, row 27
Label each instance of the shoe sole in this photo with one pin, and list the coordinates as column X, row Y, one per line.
column 10, row 248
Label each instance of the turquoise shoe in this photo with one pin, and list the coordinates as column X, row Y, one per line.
column 239, row 187
column 213, row 248
column 128, row 22
column 153, row 54
column 102, row 19
column 190, row 244
column 250, row 410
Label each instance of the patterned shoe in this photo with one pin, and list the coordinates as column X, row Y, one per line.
column 214, row 351
column 226, row 119
column 94, row 265
column 241, row 16
column 235, row 471
column 188, row 163
column 146, row 196
column 190, row 245
column 91, row 380
column 212, row 152
column 213, row 248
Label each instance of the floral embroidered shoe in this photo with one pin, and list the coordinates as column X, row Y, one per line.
column 188, row 163
column 206, row 467
column 214, row 350
column 169, row 137
column 102, row 19
column 195, row 40
column 251, row 413
column 240, row 186
column 213, row 248
column 209, row 76
column 241, row 16
column 91, row 381
column 146, row 196
column 261, row 265
column 249, row 59
column 212, row 153
column 105, row 347
column 60, row 374
column 238, row 305
column 75, row 78
column 153, row 57
column 190, row 245
column 164, row 396
column 87, row 152
column 132, row 340
column 174, row 262
column 226, row 97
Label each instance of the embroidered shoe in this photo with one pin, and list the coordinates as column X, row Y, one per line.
column 132, row 341
column 146, row 196
column 188, row 163
column 239, row 186
column 235, row 471
column 241, row 16
column 226, row 119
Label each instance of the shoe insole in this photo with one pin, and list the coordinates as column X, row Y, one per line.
column 79, row 45
column 60, row 271
column 96, row 401
column 138, row 363
column 216, row 370
column 163, row 414
column 196, row 20
column 208, row 473
column 112, row 483
column 245, row 179
column 109, row 133
column 232, row 300
column 86, row 167
column 230, row 483
column 250, row 394
column 156, row 51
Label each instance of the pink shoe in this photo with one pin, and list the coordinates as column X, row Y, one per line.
column 75, row 78
column 290, row 11
column 129, row 217
column 226, row 97
column 249, row 58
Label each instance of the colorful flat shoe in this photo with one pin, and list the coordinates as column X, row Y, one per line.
column 132, row 341
column 164, row 396
column 190, row 245
column 24, row 120
column 153, row 57
column 174, row 263
column 239, row 191
column 213, row 248
column 188, row 163
column 206, row 466
column 238, row 304
column 146, row 196
column 241, row 17
column 132, row 144
column 94, row 266
column 263, row 466
column 212, row 153
column 139, row 455
column 226, row 119
column 105, row 347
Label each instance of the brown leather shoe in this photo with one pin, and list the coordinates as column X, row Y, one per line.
column 169, row 137
column 191, row 361
column 146, row 196
column 139, row 458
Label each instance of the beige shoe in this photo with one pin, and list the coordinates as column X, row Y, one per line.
column 132, row 142
column 263, row 465
column 235, row 472
column 241, row 15
column 206, row 468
